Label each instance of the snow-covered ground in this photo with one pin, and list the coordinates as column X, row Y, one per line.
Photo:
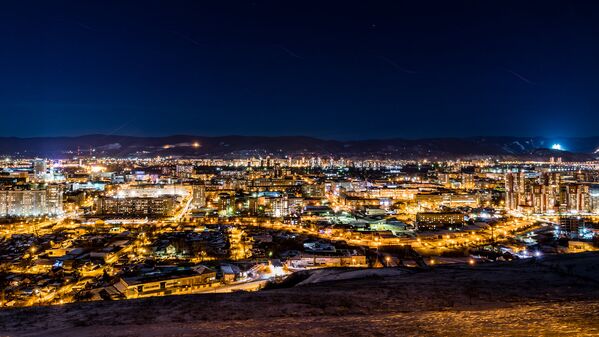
column 328, row 275
column 552, row 296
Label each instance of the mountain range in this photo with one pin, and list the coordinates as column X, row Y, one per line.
column 582, row 148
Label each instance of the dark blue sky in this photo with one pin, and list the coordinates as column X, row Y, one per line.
column 351, row 70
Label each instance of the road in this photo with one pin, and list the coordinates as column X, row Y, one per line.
column 427, row 243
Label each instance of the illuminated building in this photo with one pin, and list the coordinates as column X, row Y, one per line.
column 313, row 191
column 467, row 181
column 575, row 198
column 31, row 202
column 226, row 204
column 546, row 193
column 39, row 168
column 266, row 184
column 280, row 207
column 198, row 196
column 167, row 282
column 345, row 259
column 184, row 171
column 136, row 206
column 398, row 194
column 437, row 220
column 437, row 200
column 594, row 198
column 152, row 190
column 514, row 190
column 571, row 224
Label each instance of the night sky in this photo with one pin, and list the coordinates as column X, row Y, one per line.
column 346, row 70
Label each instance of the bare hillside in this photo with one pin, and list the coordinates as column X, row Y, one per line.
column 556, row 295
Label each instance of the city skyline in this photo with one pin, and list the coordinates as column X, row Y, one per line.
column 299, row 168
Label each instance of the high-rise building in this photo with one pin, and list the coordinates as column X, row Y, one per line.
column 54, row 195
column 280, row 207
column 30, row 202
column 547, row 193
column 226, row 204
column 39, row 168
column 467, row 181
column 594, row 198
column 198, row 196
column 574, row 198
column 514, row 190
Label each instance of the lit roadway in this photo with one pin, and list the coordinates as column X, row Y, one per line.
column 436, row 243
column 186, row 204
column 32, row 227
column 426, row 243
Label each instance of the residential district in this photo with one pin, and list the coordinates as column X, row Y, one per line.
column 108, row 229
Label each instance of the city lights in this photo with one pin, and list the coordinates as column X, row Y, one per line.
column 276, row 168
column 171, row 212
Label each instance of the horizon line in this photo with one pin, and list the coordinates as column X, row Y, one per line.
column 295, row 136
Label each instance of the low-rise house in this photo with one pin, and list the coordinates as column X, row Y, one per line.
column 167, row 281
column 345, row 259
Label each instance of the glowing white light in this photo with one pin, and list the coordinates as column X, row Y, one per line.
column 557, row 147
column 97, row 169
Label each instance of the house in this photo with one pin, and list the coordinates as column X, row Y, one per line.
column 167, row 281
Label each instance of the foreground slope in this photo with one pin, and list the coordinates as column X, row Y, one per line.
column 555, row 294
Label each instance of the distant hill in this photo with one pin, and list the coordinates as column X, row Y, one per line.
column 249, row 146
